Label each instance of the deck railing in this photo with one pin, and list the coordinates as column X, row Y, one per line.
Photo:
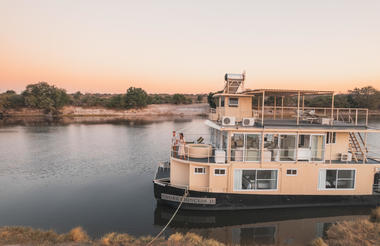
column 322, row 115
column 355, row 116
column 278, row 155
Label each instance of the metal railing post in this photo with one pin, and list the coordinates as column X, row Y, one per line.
column 356, row 117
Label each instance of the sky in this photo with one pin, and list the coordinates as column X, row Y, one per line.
column 187, row 46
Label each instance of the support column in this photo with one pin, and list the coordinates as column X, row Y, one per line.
column 262, row 109
column 365, row 147
column 275, row 106
column 330, row 139
column 356, row 117
column 332, row 109
column 282, row 107
column 298, row 108
column 297, row 140
column 262, row 149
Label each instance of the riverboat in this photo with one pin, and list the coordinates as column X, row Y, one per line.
column 266, row 148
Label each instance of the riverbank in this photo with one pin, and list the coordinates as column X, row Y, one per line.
column 353, row 233
column 345, row 233
column 150, row 110
column 26, row 236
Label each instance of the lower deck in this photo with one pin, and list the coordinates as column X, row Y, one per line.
column 275, row 178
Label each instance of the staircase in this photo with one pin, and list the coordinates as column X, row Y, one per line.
column 357, row 148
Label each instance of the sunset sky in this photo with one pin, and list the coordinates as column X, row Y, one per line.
column 188, row 46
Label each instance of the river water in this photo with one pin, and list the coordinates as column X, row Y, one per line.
column 61, row 174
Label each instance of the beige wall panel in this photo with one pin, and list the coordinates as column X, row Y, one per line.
column 179, row 173
column 218, row 183
column 340, row 146
column 199, row 181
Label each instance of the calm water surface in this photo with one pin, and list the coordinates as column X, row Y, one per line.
column 99, row 176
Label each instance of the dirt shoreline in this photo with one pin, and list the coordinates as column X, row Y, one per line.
column 150, row 110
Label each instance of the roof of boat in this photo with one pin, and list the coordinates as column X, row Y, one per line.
column 279, row 92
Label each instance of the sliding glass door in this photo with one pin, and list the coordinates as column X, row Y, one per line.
column 317, row 147
column 288, row 147
column 245, row 147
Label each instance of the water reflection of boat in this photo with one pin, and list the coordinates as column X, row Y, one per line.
column 265, row 227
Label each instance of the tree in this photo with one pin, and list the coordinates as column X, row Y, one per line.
column 45, row 96
column 211, row 100
column 199, row 98
column 135, row 98
column 365, row 97
column 179, row 99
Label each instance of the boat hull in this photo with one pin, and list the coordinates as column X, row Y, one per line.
column 197, row 200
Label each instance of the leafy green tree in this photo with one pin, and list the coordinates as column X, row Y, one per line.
column 179, row 99
column 365, row 97
column 135, row 98
column 199, row 98
column 211, row 100
column 45, row 96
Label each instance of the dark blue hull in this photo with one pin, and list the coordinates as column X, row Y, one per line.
column 228, row 201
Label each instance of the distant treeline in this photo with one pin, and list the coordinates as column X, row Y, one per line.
column 365, row 97
column 50, row 99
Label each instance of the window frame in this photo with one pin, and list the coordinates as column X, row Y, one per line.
column 333, row 140
column 336, row 179
column 224, row 169
column 233, row 105
column 245, row 146
column 195, row 170
column 257, row 169
column 292, row 174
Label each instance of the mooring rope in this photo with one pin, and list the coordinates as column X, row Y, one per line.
column 176, row 211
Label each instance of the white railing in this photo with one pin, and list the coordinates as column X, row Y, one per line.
column 295, row 155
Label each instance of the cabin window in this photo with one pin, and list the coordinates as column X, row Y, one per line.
column 245, row 147
column 291, row 172
column 221, row 101
column 336, row 179
column 331, row 138
column 220, row 171
column 233, row 102
column 200, row 170
column 255, row 179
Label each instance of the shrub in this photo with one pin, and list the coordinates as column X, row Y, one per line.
column 375, row 215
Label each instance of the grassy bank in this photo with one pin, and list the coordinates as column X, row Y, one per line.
column 346, row 233
column 77, row 236
column 353, row 233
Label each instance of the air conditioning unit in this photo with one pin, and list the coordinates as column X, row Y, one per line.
column 346, row 157
column 228, row 121
column 248, row 121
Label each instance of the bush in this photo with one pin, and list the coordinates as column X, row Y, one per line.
column 46, row 97
column 375, row 215
column 135, row 98
column 179, row 99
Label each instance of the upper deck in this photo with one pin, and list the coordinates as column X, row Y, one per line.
column 280, row 108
